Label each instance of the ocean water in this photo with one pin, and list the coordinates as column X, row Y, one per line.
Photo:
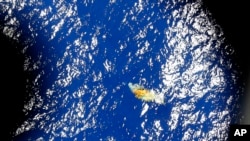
column 82, row 55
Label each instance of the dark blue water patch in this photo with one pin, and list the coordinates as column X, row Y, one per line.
column 33, row 134
column 123, row 121
column 160, row 112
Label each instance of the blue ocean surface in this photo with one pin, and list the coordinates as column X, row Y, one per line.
column 83, row 53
